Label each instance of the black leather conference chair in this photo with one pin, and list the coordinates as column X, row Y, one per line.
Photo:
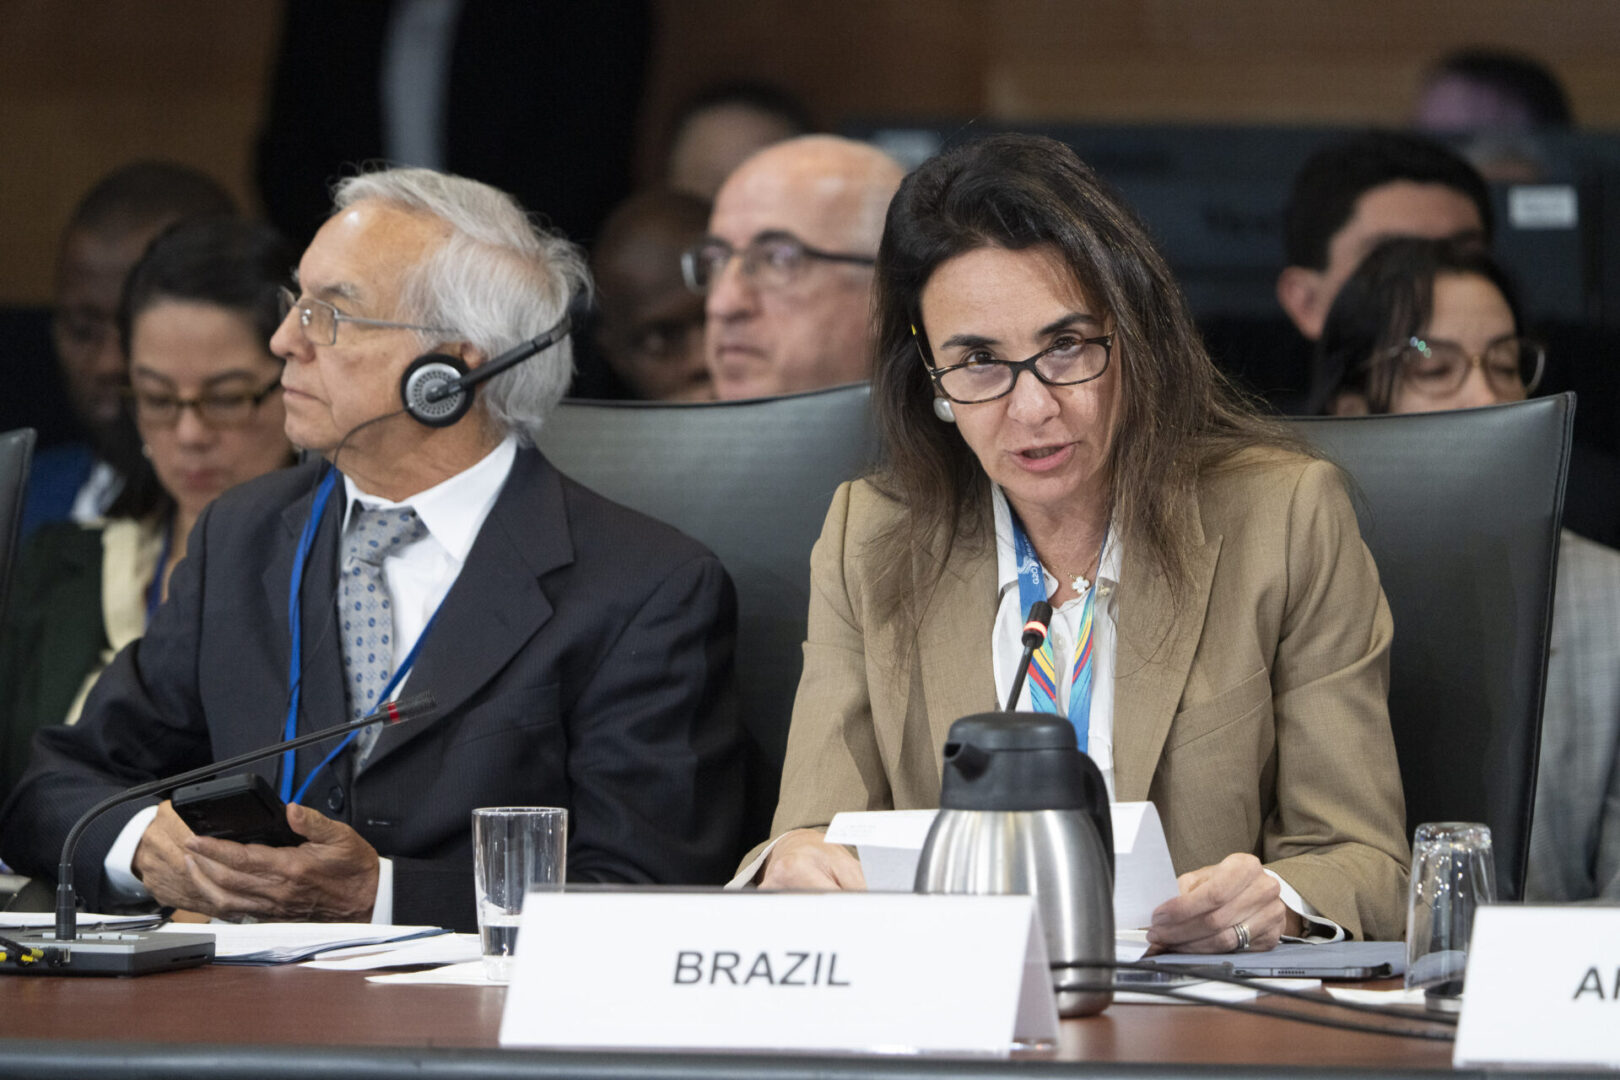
column 752, row 481
column 1461, row 512
column 16, row 454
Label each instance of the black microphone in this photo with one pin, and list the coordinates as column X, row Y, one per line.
column 414, row 707
column 1040, row 617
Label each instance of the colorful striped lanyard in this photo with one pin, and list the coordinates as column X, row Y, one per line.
column 1043, row 689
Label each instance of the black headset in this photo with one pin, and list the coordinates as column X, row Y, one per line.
column 437, row 387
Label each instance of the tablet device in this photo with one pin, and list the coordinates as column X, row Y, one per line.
column 1294, row 960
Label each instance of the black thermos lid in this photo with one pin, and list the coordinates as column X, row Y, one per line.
column 1018, row 761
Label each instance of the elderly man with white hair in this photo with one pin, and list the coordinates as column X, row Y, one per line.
column 580, row 654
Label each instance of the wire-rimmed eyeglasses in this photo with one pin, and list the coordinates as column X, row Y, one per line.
column 319, row 320
column 772, row 259
column 1436, row 368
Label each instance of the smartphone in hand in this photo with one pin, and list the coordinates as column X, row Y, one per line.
column 239, row 808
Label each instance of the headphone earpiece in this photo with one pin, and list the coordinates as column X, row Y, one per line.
column 437, row 389
column 426, row 374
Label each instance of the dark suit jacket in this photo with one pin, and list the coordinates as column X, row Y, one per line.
column 52, row 639
column 581, row 659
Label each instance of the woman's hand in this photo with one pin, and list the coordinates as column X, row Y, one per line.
column 801, row 859
column 1214, row 900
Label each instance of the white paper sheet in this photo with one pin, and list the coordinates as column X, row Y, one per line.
column 240, row 939
column 441, row 949
column 1211, row 991
column 1398, row 996
column 890, row 842
column 469, row 974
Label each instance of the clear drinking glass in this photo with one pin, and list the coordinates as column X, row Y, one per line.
column 515, row 849
column 1453, row 873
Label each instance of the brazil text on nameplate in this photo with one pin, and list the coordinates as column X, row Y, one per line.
column 1543, row 987
column 767, row 971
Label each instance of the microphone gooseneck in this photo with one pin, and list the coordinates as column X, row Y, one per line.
column 414, row 707
column 1035, row 628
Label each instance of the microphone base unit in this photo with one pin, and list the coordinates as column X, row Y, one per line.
column 111, row 952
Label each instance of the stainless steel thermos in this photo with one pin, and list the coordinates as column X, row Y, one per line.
column 1022, row 810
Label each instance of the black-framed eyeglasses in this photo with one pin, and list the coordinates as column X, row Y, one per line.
column 319, row 320
column 772, row 259
column 1068, row 361
column 1435, row 368
column 216, row 409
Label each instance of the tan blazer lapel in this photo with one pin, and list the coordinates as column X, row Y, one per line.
column 1154, row 651
column 954, row 643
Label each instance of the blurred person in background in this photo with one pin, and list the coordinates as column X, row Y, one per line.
column 723, row 126
column 1500, row 100
column 195, row 322
column 1426, row 325
column 1351, row 195
column 537, row 99
column 109, row 229
column 1482, row 89
column 786, row 268
column 648, row 331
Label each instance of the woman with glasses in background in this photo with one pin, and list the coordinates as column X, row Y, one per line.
column 1426, row 325
column 1053, row 429
column 1421, row 326
column 194, row 320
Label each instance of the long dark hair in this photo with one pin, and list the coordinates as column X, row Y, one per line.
column 1389, row 299
column 227, row 262
column 1178, row 414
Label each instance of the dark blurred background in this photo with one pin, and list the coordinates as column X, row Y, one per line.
column 92, row 84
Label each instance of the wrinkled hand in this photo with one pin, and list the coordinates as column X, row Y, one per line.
column 331, row 877
column 1216, row 898
column 801, row 859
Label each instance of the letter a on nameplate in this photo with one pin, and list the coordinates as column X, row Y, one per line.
column 1543, row 988
column 896, row 973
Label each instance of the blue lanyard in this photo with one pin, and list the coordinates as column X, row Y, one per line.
column 1043, row 685
column 154, row 591
column 295, row 676
column 387, row 692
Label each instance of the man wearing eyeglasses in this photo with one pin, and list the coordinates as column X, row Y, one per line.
column 786, row 267
column 579, row 654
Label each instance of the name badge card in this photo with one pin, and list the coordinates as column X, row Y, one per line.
column 890, row 844
column 1543, row 987
column 779, row 971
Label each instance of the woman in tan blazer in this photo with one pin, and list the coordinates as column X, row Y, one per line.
column 1221, row 640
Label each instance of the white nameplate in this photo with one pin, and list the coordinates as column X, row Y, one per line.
column 890, row 843
column 1543, row 987
column 779, row 971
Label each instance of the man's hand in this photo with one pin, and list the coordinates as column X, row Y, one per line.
column 801, row 859
column 331, row 877
column 160, row 858
column 1213, row 901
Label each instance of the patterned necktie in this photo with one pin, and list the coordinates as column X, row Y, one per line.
column 365, row 608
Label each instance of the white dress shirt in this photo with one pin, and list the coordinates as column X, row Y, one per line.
column 419, row 576
column 1006, row 648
